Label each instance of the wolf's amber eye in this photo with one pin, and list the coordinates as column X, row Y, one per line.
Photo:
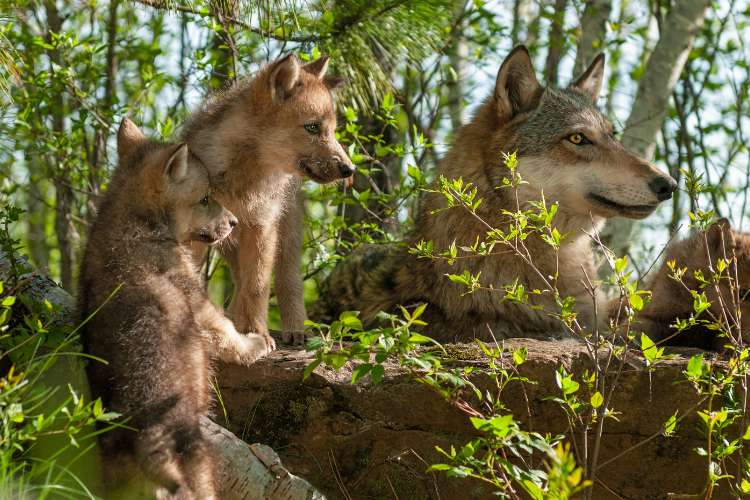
column 313, row 128
column 204, row 201
column 578, row 139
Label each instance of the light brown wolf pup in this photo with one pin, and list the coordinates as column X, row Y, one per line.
column 671, row 300
column 259, row 139
column 567, row 153
column 156, row 327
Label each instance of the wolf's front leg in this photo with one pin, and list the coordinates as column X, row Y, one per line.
column 288, row 279
column 227, row 343
column 251, row 261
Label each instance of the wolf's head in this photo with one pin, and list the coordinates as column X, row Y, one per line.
column 163, row 187
column 567, row 149
column 299, row 134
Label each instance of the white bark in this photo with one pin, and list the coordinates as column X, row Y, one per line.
column 253, row 472
column 593, row 31
column 652, row 98
column 661, row 74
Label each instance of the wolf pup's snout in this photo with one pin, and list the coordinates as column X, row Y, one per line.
column 663, row 187
column 346, row 168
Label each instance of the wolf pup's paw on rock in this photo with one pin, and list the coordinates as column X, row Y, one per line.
column 151, row 321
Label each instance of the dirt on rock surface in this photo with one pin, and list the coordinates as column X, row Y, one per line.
column 369, row 441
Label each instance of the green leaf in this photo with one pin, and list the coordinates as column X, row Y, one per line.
column 310, row 368
column 695, row 366
column 650, row 351
column 597, row 399
column 360, row 372
column 636, row 301
column 670, row 425
column 377, row 373
column 520, row 355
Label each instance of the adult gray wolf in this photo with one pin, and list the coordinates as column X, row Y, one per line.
column 568, row 154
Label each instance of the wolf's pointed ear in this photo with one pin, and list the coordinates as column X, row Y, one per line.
column 590, row 82
column 176, row 167
column 334, row 82
column 318, row 67
column 284, row 77
column 128, row 137
column 516, row 83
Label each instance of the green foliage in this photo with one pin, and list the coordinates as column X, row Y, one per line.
column 34, row 407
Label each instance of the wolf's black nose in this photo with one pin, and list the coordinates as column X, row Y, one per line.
column 663, row 187
column 233, row 222
column 346, row 169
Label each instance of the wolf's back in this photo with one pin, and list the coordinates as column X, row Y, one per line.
column 363, row 281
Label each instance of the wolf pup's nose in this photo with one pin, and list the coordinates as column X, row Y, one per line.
column 346, row 169
column 663, row 187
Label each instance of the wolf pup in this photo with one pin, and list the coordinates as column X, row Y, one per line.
column 259, row 139
column 671, row 300
column 152, row 322
column 567, row 153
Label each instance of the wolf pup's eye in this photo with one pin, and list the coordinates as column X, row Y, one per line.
column 578, row 139
column 313, row 128
column 204, row 201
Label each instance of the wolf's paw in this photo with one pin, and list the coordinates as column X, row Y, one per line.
column 296, row 337
column 249, row 348
column 270, row 342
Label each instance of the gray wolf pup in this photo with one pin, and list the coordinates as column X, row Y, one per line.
column 258, row 140
column 671, row 300
column 156, row 332
column 567, row 153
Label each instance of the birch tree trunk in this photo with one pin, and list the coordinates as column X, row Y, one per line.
column 652, row 98
column 593, row 31
column 556, row 43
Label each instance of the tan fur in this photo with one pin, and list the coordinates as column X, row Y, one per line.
column 670, row 299
column 158, row 331
column 590, row 183
column 255, row 144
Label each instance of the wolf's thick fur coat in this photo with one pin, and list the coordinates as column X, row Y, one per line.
column 259, row 139
column 591, row 181
column 152, row 322
column 672, row 300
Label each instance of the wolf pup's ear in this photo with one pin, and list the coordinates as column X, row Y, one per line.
column 334, row 82
column 516, row 83
column 590, row 82
column 129, row 136
column 719, row 237
column 176, row 167
column 284, row 77
column 318, row 67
